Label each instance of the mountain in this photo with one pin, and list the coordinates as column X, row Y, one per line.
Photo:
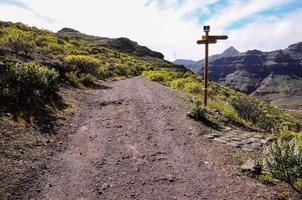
column 274, row 76
column 196, row 66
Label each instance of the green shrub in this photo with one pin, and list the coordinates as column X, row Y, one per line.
column 268, row 123
column 180, row 83
column 103, row 72
column 122, row 70
column 287, row 135
column 197, row 111
column 246, row 107
column 266, row 118
column 88, row 80
column 46, row 39
column 70, row 49
column 267, row 180
column 283, row 160
column 226, row 110
column 84, row 64
column 193, row 87
column 25, row 84
column 72, row 79
column 21, row 42
column 161, row 76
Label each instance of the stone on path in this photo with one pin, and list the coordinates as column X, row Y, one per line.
column 251, row 166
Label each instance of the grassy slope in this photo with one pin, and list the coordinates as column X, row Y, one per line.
column 230, row 105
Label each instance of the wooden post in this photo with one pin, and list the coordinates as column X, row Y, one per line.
column 206, row 65
column 206, row 40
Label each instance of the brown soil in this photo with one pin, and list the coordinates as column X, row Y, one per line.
column 134, row 141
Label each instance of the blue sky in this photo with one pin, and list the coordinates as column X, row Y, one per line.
column 169, row 26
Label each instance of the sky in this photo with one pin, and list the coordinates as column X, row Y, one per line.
column 169, row 26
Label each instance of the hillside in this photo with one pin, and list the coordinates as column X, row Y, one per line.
column 80, row 107
column 275, row 77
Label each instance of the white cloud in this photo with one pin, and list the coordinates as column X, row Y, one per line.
column 266, row 34
column 162, row 28
column 238, row 10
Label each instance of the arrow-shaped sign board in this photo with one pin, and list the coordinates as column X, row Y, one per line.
column 210, row 41
column 215, row 37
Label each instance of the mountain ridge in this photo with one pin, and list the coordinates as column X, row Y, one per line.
column 121, row 44
column 196, row 66
column 274, row 76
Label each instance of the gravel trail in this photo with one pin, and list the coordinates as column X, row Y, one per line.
column 134, row 141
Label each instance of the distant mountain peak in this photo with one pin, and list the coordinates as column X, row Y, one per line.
column 229, row 52
column 68, row 30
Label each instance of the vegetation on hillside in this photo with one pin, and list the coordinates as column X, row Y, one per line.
column 281, row 159
column 35, row 67
column 235, row 106
column 35, row 63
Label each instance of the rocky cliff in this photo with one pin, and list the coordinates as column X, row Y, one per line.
column 273, row 76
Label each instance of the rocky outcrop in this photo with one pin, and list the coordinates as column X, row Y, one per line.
column 272, row 76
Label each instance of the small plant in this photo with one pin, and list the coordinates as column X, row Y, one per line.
column 197, row 111
column 283, row 160
column 73, row 79
column 267, row 179
column 88, row 80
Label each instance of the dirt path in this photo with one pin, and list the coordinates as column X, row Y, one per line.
column 135, row 142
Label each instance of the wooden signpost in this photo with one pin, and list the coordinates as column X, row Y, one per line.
column 206, row 40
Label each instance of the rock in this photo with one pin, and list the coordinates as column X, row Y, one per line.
column 248, row 142
column 228, row 128
column 256, row 146
column 259, row 136
column 264, row 141
column 253, row 139
column 220, row 140
column 216, row 134
column 236, row 139
column 210, row 137
column 191, row 115
column 247, row 149
column 251, row 166
column 235, row 144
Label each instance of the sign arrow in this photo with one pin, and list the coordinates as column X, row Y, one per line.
column 215, row 37
column 211, row 41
